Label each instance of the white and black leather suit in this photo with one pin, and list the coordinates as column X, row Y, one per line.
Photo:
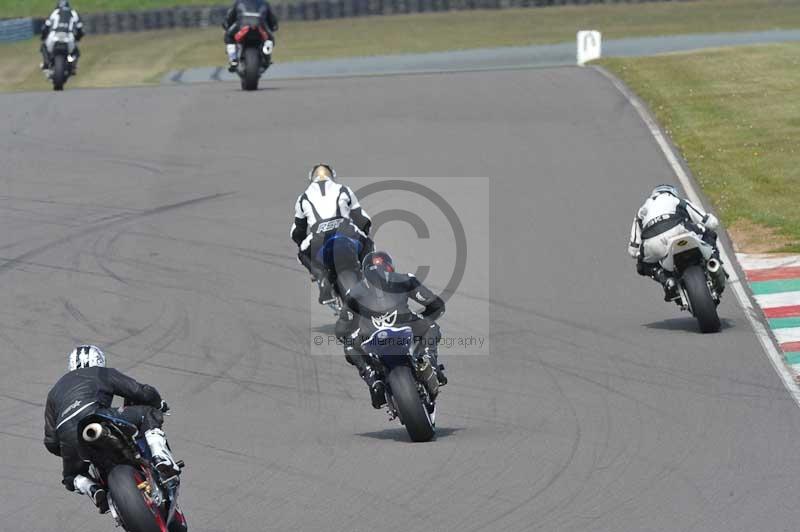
column 322, row 210
column 84, row 391
column 62, row 19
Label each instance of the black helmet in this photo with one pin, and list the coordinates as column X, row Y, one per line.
column 376, row 267
column 63, row 4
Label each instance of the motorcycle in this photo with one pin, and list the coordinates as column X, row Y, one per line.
column 138, row 499
column 700, row 276
column 340, row 256
column 60, row 47
column 254, row 45
column 411, row 383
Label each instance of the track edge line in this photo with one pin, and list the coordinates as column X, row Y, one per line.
column 690, row 186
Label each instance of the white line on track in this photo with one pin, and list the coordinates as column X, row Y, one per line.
column 762, row 333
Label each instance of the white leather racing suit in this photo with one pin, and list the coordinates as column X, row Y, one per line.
column 663, row 216
column 326, row 207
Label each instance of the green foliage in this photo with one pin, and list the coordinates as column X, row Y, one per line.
column 735, row 116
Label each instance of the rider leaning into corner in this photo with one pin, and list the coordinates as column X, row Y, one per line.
column 323, row 201
column 664, row 215
column 87, row 388
column 233, row 20
column 63, row 18
column 381, row 300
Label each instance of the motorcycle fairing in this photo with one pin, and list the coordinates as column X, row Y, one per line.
column 339, row 243
column 683, row 245
column 391, row 345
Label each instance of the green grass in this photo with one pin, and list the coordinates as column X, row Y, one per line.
column 131, row 59
column 735, row 115
column 42, row 8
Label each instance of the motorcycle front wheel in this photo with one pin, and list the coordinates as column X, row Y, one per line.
column 130, row 501
column 59, row 72
column 406, row 398
column 252, row 68
column 703, row 307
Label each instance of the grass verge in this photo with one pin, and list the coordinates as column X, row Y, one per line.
column 735, row 115
column 140, row 58
column 42, row 8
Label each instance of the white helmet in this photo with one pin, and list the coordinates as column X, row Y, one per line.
column 664, row 189
column 321, row 172
column 86, row 356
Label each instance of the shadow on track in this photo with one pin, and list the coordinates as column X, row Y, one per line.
column 684, row 325
column 400, row 434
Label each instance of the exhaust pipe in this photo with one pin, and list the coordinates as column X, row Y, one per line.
column 713, row 265
column 92, row 432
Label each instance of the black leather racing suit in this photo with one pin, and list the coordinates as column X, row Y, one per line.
column 87, row 390
column 366, row 305
column 233, row 18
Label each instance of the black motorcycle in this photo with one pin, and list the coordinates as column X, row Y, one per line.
column 138, row 499
column 60, row 47
column 411, row 383
column 254, row 45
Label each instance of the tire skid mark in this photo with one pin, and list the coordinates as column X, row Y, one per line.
column 115, row 220
column 690, row 377
column 239, row 381
column 178, row 326
column 73, row 311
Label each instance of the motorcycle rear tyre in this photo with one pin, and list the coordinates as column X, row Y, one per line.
column 409, row 404
column 129, row 500
column 703, row 307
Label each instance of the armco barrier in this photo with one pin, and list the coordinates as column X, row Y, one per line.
column 198, row 17
column 17, row 29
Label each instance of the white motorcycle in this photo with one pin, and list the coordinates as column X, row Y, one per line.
column 700, row 277
column 60, row 47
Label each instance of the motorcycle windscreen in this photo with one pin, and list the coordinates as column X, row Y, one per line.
column 392, row 345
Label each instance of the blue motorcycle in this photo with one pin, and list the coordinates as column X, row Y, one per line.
column 340, row 256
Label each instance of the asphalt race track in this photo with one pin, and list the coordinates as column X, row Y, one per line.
column 154, row 222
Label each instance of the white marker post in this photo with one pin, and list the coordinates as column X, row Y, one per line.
column 589, row 46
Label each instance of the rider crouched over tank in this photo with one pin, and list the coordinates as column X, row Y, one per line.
column 88, row 388
column 233, row 23
column 381, row 300
column 665, row 214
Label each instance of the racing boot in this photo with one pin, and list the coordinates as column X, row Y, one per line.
column 44, row 65
column 162, row 456
column 233, row 58
column 428, row 349
column 75, row 57
column 377, row 390
column 668, row 282
column 87, row 486
column 431, row 355
column 325, row 291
